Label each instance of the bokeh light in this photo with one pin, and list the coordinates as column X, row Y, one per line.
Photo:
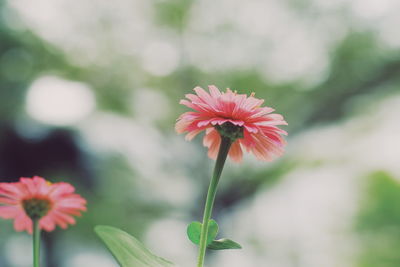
column 57, row 101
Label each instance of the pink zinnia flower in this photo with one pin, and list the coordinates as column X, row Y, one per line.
column 35, row 198
column 238, row 116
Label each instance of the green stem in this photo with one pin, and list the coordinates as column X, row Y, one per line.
column 212, row 190
column 36, row 243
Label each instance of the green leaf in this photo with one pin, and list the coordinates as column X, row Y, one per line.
column 127, row 250
column 223, row 243
column 194, row 231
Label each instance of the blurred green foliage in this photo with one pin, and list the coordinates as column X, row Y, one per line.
column 378, row 222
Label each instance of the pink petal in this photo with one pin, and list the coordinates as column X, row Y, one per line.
column 212, row 140
column 10, row 212
column 203, row 95
column 8, row 201
column 181, row 126
column 47, row 223
column 193, row 134
column 236, row 152
column 251, row 129
column 214, row 91
column 23, row 223
column 10, row 190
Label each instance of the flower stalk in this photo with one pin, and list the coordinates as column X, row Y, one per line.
column 225, row 145
column 36, row 243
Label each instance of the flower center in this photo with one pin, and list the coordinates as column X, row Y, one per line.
column 36, row 207
column 230, row 130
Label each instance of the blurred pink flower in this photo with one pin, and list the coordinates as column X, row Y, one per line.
column 238, row 116
column 36, row 198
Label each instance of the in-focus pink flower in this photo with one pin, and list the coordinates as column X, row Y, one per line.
column 251, row 126
column 52, row 204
